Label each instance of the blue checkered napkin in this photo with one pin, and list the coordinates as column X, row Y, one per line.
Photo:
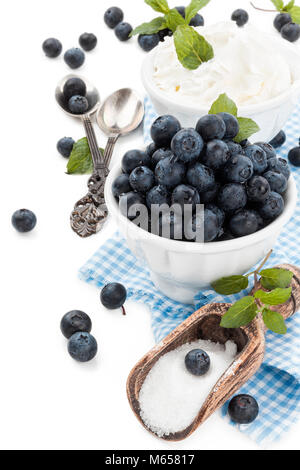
column 276, row 386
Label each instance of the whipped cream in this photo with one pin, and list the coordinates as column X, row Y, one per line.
column 246, row 65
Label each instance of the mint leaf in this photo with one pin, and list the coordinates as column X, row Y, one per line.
column 241, row 313
column 275, row 297
column 289, row 6
column 174, row 19
column 192, row 49
column 150, row 28
column 158, row 5
column 80, row 161
column 278, row 4
column 274, row 321
column 230, row 285
column 276, row 277
column 193, row 8
column 247, row 128
column 223, row 104
column 295, row 14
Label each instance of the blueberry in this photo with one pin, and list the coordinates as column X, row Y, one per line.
column 278, row 140
column 78, row 104
column 232, row 125
column 294, row 156
column 197, row 362
column 239, row 169
column 291, row 32
column 279, row 165
column 163, row 130
column 243, row 409
column 234, row 148
column 75, row 321
column 258, row 189
column 243, row 223
column 127, row 201
column 267, row 148
column 272, row 207
column 211, row 127
column 181, row 10
column 277, row 181
column 216, row 154
column 24, row 220
column 218, row 212
column 210, row 195
column 158, row 195
column 211, row 226
column 141, row 179
column 82, row 347
column 244, row 143
column 52, row 47
column 281, row 19
column 150, row 149
column 88, row 41
column 232, row 197
column 121, row 185
column 113, row 16
column 163, row 33
column 134, row 158
column 198, row 20
column 240, row 16
column 160, row 154
column 65, row 146
column 201, row 177
column 185, row 195
column 169, row 172
column 74, row 86
column 148, row 41
column 225, row 236
column 187, row 145
column 258, row 158
column 122, row 31
column 74, row 57
column 113, row 296
column 171, row 225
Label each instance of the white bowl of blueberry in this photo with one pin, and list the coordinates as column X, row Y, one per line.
column 247, row 192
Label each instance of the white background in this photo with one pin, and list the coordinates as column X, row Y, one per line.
column 48, row 401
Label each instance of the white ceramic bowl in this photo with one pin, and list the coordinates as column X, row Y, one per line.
column 180, row 269
column 271, row 115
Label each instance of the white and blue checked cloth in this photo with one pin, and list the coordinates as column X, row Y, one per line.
column 276, row 385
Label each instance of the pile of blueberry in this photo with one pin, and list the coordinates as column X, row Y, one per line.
column 76, row 327
column 74, row 92
column 113, row 18
column 241, row 185
column 284, row 24
column 75, row 56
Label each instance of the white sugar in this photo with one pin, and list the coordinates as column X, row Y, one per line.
column 171, row 397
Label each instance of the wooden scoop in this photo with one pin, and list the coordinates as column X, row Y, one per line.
column 205, row 324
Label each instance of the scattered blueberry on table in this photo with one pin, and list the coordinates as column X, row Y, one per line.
column 74, row 57
column 240, row 16
column 243, row 409
column 75, row 321
column 24, row 220
column 52, row 47
column 65, row 146
column 113, row 296
column 113, row 16
column 88, row 41
column 197, row 362
column 123, row 30
column 82, row 347
column 294, row 156
column 278, row 140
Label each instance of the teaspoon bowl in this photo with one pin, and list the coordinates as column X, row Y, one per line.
column 92, row 96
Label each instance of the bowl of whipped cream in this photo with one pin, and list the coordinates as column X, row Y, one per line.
column 258, row 71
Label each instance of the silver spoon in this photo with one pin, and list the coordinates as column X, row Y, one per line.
column 121, row 113
column 89, row 212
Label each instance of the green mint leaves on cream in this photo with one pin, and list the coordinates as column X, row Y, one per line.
column 80, row 161
column 242, row 312
column 192, row 49
column 224, row 104
column 289, row 8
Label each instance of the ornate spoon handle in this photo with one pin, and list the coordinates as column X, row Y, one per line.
column 112, row 139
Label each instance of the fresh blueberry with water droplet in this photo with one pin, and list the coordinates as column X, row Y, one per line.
column 243, row 409
column 216, row 154
column 187, row 145
column 277, row 181
column 185, row 195
column 75, row 321
column 169, row 172
column 258, row 158
column 197, row 362
column 121, row 185
column 158, row 195
column 258, row 189
column 201, row 177
column 267, row 148
column 141, row 179
column 272, row 207
column 160, row 154
column 163, row 130
column 279, row 165
column 239, row 169
column 232, row 125
column 134, row 158
column 211, row 127
column 232, row 197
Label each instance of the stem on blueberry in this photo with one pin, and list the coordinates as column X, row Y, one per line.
column 123, row 310
column 262, row 9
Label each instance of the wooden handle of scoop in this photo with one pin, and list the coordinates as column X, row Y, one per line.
column 293, row 304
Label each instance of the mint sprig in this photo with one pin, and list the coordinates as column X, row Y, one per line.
column 192, row 48
column 290, row 8
column 243, row 311
column 224, row 104
column 80, row 161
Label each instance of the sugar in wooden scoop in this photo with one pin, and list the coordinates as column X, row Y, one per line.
column 171, row 397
